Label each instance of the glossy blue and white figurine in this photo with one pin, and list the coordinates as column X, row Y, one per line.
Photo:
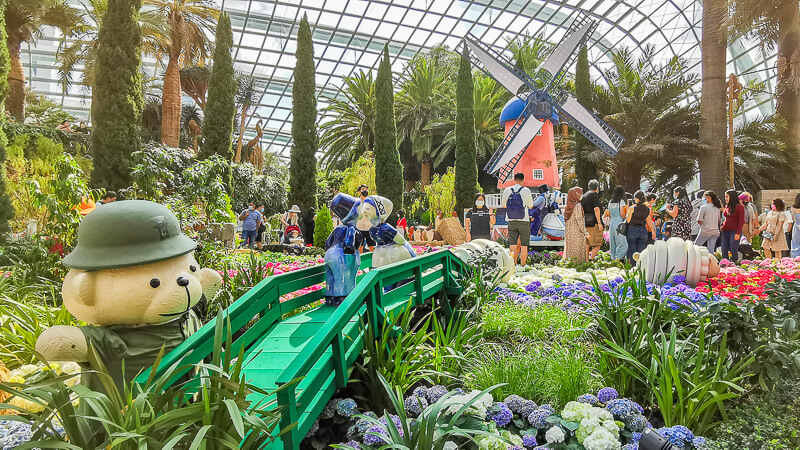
column 392, row 246
column 342, row 259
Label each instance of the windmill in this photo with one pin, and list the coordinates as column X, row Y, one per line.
column 541, row 102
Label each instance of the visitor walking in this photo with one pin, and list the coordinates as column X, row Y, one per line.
column 402, row 224
column 590, row 202
column 681, row 210
column 575, row 234
column 750, row 216
column 788, row 225
column 363, row 224
column 617, row 209
column 517, row 199
column 262, row 227
column 251, row 220
column 795, row 247
column 638, row 218
column 108, row 197
column 774, row 240
column 479, row 220
column 708, row 218
column 733, row 221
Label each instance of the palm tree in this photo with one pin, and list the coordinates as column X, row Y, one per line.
column 529, row 52
column 775, row 23
column 194, row 82
column 488, row 101
column 249, row 93
column 188, row 24
column 427, row 93
column 24, row 22
column 643, row 103
column 348, row 132
column 760, row 158
column 713, row 124
column 81, row 49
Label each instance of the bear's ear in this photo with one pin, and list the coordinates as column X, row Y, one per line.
column 83, row 286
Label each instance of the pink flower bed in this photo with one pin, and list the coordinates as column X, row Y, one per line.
column 748, row 281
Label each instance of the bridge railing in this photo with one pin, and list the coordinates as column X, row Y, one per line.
column 333, row 352
column 260, row 308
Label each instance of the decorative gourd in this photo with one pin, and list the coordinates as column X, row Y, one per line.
column 676, row 257
column 501, row 257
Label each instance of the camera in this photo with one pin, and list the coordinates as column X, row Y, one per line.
column 651, row 440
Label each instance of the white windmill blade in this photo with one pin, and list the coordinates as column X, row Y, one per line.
column 564, row 51
column 589, row 125
column 502, row 75
column 519, row 142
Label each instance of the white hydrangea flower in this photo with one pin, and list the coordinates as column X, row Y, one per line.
column 575, row 411
column 554, row 434
column 602, row 439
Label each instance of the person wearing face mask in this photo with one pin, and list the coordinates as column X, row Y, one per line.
column 733, row 222
column 251, row 220
column 363, row 225
column 479, row 220
column 774, row 239
column 708, row 219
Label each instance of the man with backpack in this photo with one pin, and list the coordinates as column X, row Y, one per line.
column 517, row 200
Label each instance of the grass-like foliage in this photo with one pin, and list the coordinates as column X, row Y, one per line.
column 546, row 374
column 209, row 411
column 435, row 427
column 510, row 321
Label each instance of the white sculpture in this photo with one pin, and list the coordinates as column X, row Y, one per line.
column 676, row 257
column 500, row 255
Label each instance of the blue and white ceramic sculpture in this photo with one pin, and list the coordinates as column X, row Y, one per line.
column 342, row 259
column 392, row 246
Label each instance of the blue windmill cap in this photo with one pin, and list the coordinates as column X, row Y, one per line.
column 343, row 204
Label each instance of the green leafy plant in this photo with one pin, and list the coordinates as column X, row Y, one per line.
column 204, row 182
column 155, row 414
column 452, row 344
column 323, row 226
column 435, row 427
column 510, row 321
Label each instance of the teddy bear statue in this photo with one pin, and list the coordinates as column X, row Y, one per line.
column 342, row 259
column 676, row 257
column 133, row 278
column 392, row 246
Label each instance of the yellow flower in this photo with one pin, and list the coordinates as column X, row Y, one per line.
column 26, row 404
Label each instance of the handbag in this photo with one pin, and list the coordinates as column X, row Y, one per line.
column 589, row 220
column 622, row 228
column 767, row 235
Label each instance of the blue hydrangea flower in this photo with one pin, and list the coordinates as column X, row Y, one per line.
column 529, row 440
column 514, row 402
column 435, row 393
column 501, row 418
column 588, row 398
column 679, row 279
column 634, row 446
column 538, row 418
column 415, row 405
column 346, row 407
column 311, row 431
column 621, row 408
column 635, row 436
column 548, row 407
column 698, row 441
column 607, row 394
column 420, row 391
column 636, row 423
column 528, row 406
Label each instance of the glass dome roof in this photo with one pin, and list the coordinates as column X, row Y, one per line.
column 350, row 34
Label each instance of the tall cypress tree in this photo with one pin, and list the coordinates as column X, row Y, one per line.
column 303, row 161
column 387, row 157
column 6, row 210
column 585, row 170
column 118, row 104
column 466, row 165
column 221, row 104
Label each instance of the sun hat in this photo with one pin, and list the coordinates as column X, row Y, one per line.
column 295, row 209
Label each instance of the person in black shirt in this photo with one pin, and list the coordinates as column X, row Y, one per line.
column 639, row 225
column 479, row 220
column 590, row 202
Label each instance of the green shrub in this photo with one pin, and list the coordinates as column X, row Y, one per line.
column 554, row 374
column 323, row 227
column 508, row 320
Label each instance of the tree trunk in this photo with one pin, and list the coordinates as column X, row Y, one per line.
column 171, row 105
column 788, row 88
column 15, row 102
column 425, row 172
column 238, row 156
column 713, row 113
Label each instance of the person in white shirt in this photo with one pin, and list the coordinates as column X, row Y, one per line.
column 517, row 200
column 787, row 229
column 30, row 120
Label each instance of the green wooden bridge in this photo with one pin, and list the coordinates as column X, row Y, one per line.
column 321, row 344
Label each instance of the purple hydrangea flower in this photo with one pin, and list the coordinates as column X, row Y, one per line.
column 679, row 279
column 435, row 393
column 514, row 402
column 346, row 407
column 538, row 418
column 588, row 398
column 607, row 394
column 528, row 406
column 415, row 405
column 529, row 440
column 548, row 407
column 698, row 441
column 501, row 418
column 420, row 391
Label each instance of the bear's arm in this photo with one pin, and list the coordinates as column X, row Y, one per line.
column 63, row 343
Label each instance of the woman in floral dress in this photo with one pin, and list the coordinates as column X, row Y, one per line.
column 773, row 248
column 575, row 234
column 681, row 210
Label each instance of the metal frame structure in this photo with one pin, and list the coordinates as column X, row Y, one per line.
column 350, row 34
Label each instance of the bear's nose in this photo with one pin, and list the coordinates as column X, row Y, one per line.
column 183, row 281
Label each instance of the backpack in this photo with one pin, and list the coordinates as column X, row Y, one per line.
column 515, row 209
